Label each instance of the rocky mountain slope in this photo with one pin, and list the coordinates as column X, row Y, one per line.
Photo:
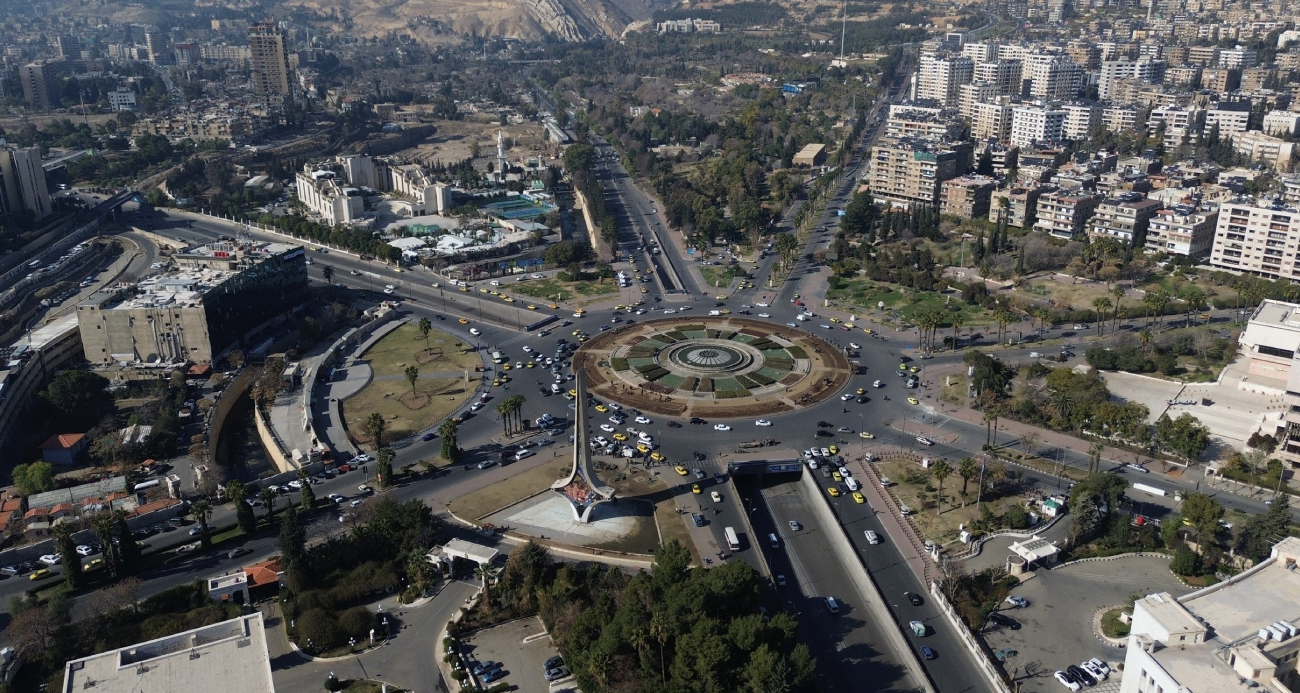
column 566, row 20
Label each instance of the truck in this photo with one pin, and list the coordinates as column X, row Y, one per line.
column 733, row 541
column 757, row 443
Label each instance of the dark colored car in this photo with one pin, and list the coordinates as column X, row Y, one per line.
column 1006, row 621
column 927, row 652
column 674, row 424
column 428, row 436
column 825, row 424
column 914, row 598
column 493, row 675
column 698, row 519
column 698, row 421
column 863, row 399
column 1080, row 676
column 823, row 434
column 484, row 667
column 553, row 662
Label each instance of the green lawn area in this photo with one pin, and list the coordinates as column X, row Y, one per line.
column 549, row 288
column 391, row 395
column 487, row 500
column 718, row 277
column 867, row 294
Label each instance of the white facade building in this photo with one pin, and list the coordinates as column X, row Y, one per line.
column 938, row 78
column 1031, row 124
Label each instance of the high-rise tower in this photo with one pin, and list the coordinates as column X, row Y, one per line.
column 270, row 60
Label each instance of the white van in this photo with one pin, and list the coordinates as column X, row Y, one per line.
column 872, row 537
column 555, row 389
column 852, row 483
column 715, row 313
column 771, row 539
column 832, row 605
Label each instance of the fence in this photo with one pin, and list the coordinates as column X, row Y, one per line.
column 987, row 668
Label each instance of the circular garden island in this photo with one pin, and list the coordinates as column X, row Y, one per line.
column 717, row 366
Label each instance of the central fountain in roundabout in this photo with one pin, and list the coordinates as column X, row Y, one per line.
column 581, row 487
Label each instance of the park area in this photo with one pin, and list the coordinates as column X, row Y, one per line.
column 915, row 487
column 552, row 289
column 859, row 295
column 443, row 363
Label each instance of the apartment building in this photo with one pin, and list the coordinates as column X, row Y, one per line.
column 159, row 46
column 225, row 52
column 1118, row 118
column 1271, row 151
column 420, row 190
column 1257, row 239
column 937, row 78
column 1179, row 122
column 326, row 194
column 1004, row 75
column 991, row 121
column 1065, row 213
column 924, row 122
column 1238, row 58
column 1205, row 56
column 1188, row 76
column 272, row 77
column 1143, row 70
column 1053, row 77
column 910, row 171
column 1182, row 230
column 1231, row 117
column 1030, row 124
column 1227, row 637
column 39, row 78
column 967, row 196
column 1281, row 123
column 1125, row 218
column 1220, row 79
column 980, row 52
column 1017, row 205
column 976, row 92
column 1080, row 120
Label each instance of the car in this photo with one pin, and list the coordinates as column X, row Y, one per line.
column 859, row 498
column 927, row 653
column 764, row 315
column 196, row 530
column 698, row 519
column 236, row 553
column 84, row 550
column 847, row 396
column 833, row 491
column 336, row 498
column 484, row 667
column 1004, row 621
column 1080, row 676
column 1017, row 602
column 681, row 470
column 695, row 488
column 877, row 384
column 40, row 574
column 837, row 476
column 721, row 427
column 1095, row 671
column 556, row 673
column 607, row 428
column 843, row 429
column 762, row 422
column 1101, row 666
column 674, row 424
column 643, row 420
column 463, row 321
column 616, row 420
column 1137, row 468
column 913, row 401
column 854, row 345
column 780, row 580
column 717, row 497
column 553, row 662
column 867, row 434
column 1066, row 680
column 49, row 559
column 361, row 459
column 601, row 408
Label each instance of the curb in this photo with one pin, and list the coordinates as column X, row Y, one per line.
column 1102, row 637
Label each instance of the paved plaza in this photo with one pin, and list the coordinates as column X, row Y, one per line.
column 550, row 516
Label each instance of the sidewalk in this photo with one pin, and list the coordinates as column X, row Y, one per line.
column 886, row 509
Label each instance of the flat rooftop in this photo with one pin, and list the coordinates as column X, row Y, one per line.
column 1198, row 663
column 222, row 657
column 1239, row 609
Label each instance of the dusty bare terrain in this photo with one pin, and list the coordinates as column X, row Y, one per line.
column 454, row 140
column 568, row 20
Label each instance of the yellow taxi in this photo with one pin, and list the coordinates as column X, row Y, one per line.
column 867, row 434
column 902, row 366
column 867, row 330
column 573, row 393
column 835, row 320
column 93, row 563
column 834, row 449
column 656, row 457
column 552, row 306
column 620, row 437
column 915, row 369
column 505, row 367
column 582, row 338
column 496, row 382
column 483, row 290
column 862, row 391
column 642, row 448
column 849, row 325
column 913, row 400
column 465, row 289
column 530, row 364
column 463, row 321
column 695, row 488
column 858, row 498
column 681, row 470
column 39, row 575
column 724, row 311
column 532, row 307
column 722, row 297
column 796, row 297
column 602, row 408
column 833, row 492
column 507, row 299
column 505, row 378
column 645, row 290
column 836, row 476
column 577, row 332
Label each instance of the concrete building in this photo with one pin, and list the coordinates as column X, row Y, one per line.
column 1281, row 123
column 122, row 98
column 220, row 658
column 1125, row 218
column 219, row 293
column 970, row 94
column 967, row 197
column 1220, row 79
column 937, row 78
column 1030, row 124
column 39, row 79
column 1179, row 122
column 810, row 155
column 326, row 195
column 991, row 121
column 159, row 47
column 912, row 122
column 979, row 52
column 1065, row 213
column 1053, row 77
column 1019, row 205
column 1230, row 117
column 1143, row 70
column 1118, row 118
column 1223, row 638
column 22, row 182
column 909, row 171
column 1006, row 76
column 416, row 186
column 1080, row 120
column 1259, row 240
column 27, row 366
column 1270, row 151
column 272, row 79
column 1238, row 58
column 1182, row 230
column 360, row 172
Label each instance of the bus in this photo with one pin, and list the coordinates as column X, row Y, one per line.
column 733, row 542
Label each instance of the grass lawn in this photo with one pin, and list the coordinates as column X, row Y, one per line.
column 912, row 492
column 1078, row 296
column 867, row 294
column 954, row 389
column 549, row 288
column 485, row 501
column 1111, row 626
column 720, row 278
column 390, row 394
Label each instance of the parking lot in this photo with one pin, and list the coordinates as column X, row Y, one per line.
column 1056, row 627
column 522, row 647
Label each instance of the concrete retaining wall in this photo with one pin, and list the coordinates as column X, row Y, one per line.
column 593, row 231
column 862, row 579
column 987, row 668
column 271, row 443
column 225, row 402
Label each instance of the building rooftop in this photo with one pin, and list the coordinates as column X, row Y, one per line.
column 222, row 657
column 1254, row 600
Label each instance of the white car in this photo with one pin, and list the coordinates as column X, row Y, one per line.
column 764, row 315
column 854, row 345
column 601, row 440
column 475, row 331
column 877, row 384
column 295, row 484
column 390, row 290
column 336, row 498
column 615, row 406
column 361, row 459
column 607, row 428
column 84, row 550
column 538, row 275
column 1137, row 468
column 643, row 420
column 616, row 420
column 670, row 311
column 1096, row 671
column 924, row 441
column 717, row 497
column 528, row 350
column 762, row 422
column 49, row 559
column 761, row 304
column 634, row 430
column 1066, row 681
column 645, row 437
column 721, row 427
column 846, row 396
column 1101, row 666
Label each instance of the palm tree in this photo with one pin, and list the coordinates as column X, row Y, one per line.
column 957, row 322
column 1063, row 403
column 504, row 410
column 1118, row 292
column 202, row 512
column 1094, row 457
column 940, row 470
column 486, row 572
column 104, row 526
column 1100, row 304
column 374, row 426
column 329, row 273
column 412, row 374
column 1145, row 337
column 1004, row 317
column 967, row 470
column 425, row 328
column 268, row 495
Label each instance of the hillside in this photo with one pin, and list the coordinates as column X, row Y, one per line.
column 566, row 20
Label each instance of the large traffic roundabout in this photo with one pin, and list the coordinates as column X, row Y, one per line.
column 719, row 366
